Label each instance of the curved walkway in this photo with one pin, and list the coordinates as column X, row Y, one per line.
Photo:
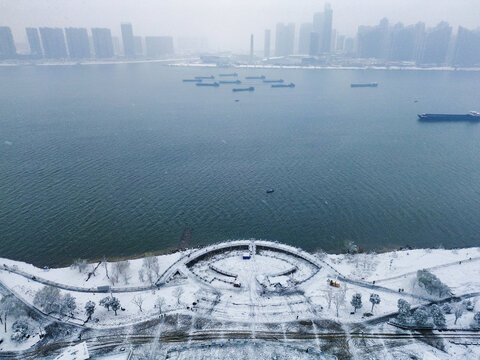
column 184, row 260
column 181, row 264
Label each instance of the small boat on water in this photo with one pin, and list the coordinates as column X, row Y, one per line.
column 269, row 191
column 374, row 84
column 273, row 81
column 208, row 84
column 204, row 77
column 261, row 77
column 192, row 80
column 230, row 82
column 291, row 85
column 472, row 116
column 251, row 88
column 231, row 74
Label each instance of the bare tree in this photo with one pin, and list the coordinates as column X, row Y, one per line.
column 114, row 274
column 141, row 275
column 151, row 268
column 105, row 265
column 138, row 300
column 9, row 305
column 329, row 293
column 458, row 312
column 125, row 270
column 160, row 303
column 119, row 270
column 80, row 264
column 338, row 300
column 178, row 292
column 48, row 299
column 67, row 305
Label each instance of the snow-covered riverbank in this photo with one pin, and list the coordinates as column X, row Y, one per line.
column 277, row 284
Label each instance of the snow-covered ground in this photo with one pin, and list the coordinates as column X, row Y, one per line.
column 266, row 297
column 72, row 276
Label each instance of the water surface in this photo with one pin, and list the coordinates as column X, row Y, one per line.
column 117, row 160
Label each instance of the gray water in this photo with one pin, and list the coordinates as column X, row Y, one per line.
column 117, row 160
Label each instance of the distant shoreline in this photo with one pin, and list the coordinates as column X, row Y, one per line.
column 175, row 63
column 295, row 67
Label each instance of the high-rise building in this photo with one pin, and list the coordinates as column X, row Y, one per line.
column 318, row 20
column 251, row 48
column 158, row 46
column 284, row 39
column 77, row 42
column 349, row 47
column 266, row 44
column 304, row 38
column 419, row 42
column 372, row 41
column 333, row 40
column 128, row 40
column 322, row 25
column 116, row 45
column 340, row 43
column 53, row 42
column 102, row 43
column 314, row 43
column 34, row 42
column 437, row 41
column 138, row 41
column 467, row 47
column 7, row 45
column 326, row 39
column 402, row 43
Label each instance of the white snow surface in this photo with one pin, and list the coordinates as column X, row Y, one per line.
column 77, row 352
column 458, row 268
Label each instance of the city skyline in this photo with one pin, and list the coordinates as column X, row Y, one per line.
column 390, row 42
column 192, row 19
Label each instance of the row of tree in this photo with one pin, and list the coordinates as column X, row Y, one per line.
column 434, row 315
column 356, row 301
column 120, row 270
column 51, row 301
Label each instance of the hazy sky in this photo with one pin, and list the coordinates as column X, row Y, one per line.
column 227, row 23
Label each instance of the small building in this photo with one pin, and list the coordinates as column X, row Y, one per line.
column 103, row 288
column 246, row 256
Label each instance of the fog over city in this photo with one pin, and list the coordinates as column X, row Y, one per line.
column 227, row 24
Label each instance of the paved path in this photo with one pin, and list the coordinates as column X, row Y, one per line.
column 76, row 288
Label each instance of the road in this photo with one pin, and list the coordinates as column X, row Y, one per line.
column 101, row 344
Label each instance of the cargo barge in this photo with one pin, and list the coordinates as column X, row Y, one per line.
column 472, row 116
